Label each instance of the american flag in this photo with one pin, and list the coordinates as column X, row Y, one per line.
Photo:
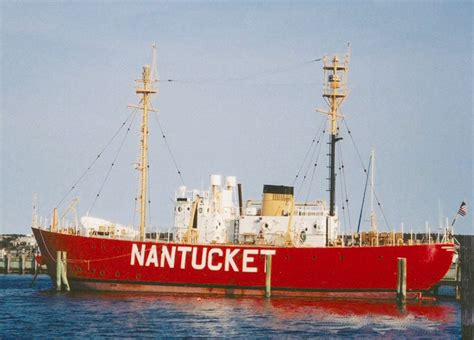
column 463, row 209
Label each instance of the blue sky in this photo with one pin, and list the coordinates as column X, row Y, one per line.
column 67, row 73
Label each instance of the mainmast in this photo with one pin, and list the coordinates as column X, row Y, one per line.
column 145, row 89
column 335, row 91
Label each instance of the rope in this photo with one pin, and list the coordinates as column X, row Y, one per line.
column 314, row 168
column 308, row 151
column 93, row 162
column 344, row 182
column 342, row 195
column 363, row 197
column 251, row 76
column 113, row 162
column 85, row 261
column 316, row 152
column 355, row 145
column 381, row 210
column 375, row 194
column 169, row 148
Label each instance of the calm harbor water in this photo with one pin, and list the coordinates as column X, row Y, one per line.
column 40, row 312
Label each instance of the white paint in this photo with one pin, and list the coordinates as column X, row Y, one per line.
column 248, row 259
column 138, row 255
column 152, row 257
column 165, row 255
column 184, row 251
column 218, row 252
column 194, row 263
column 229, row 260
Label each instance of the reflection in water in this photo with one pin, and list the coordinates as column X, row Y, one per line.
column 223, row 315
column 88, row 314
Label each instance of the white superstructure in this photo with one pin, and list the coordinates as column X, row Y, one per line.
column 213, row 216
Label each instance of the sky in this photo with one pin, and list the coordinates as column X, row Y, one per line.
column 242, row 103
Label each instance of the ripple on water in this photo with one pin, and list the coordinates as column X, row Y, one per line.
column 41, row 312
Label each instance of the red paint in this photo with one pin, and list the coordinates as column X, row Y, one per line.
column 104, row 264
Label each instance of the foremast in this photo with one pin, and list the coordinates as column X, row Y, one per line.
column 335, row 91
column 145, row 89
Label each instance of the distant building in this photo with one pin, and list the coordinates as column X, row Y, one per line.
column 26, row 240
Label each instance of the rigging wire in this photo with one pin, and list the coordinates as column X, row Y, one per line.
column 149, row 199
column 344, row 182
column 93, row 162
column 341, row 187
column 169, row 148
column 316, row 152
column 355, row 145
column 381, row 210
column 363, row 197
column 113, row 161
column 314, row 167
column 365, row 170
column 251, row 76
column 307, row 152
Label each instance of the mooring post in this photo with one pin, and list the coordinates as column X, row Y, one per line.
column 58, row 270
column 23, row 264
column 401, row 279
column 7, row 263
column 34, row 265
column 467, row 293
column 458, row 278
column 64, row 271
column 268, row 276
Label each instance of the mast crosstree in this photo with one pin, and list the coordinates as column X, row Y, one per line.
column 335, row 91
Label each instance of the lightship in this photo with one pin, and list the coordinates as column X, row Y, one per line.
column 222, row 245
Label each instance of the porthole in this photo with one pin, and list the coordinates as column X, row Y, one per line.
column 200, row 210
column 117, row 274
column 180, row 209
column 102, row 273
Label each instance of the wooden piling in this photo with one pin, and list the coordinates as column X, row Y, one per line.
column 467, row 293
column 401, row 279
column 268, row 276
column 64, row 271
column 8, row 260
column 34, row 265
column 58, row 270
column 22, row 264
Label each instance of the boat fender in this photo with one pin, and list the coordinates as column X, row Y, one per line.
column 303, row 236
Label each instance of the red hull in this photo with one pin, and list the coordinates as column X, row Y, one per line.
column 110, row 264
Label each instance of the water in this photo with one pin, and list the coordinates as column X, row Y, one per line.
column 41, row 312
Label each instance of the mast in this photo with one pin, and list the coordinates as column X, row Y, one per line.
column 335, row 91
column 145, row 89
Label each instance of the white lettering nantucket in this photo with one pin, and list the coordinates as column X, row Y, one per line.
column 140, row 256
column 200, row 258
